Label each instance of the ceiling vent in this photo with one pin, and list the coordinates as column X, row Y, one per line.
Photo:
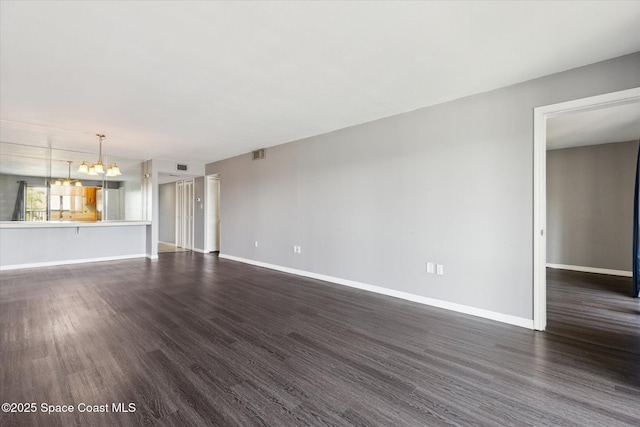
column 258, row 154
column 181, row 168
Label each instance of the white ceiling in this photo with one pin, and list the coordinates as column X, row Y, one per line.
column 202, row 81
column 602, row 125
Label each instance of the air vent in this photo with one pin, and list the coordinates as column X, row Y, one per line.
column 182, row 168
column 258, row 154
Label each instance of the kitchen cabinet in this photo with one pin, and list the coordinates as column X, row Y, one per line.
column 89, row 195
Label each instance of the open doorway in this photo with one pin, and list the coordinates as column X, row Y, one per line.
column 189, row 213
column 542, row 116
column 175, row 235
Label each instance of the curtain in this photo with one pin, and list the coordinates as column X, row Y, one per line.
column 636, row 225
column 19, row 210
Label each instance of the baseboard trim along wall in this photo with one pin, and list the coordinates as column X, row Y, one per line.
column 70, row 261
column 473, row 311
column 591, row 270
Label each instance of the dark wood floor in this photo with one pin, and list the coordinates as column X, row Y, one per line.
column 194, row 340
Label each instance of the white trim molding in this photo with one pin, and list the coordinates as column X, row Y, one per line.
column 460, row 308
column 540, row 116
column 70, row 261
column 595, row 270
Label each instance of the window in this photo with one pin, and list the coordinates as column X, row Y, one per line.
column 36, row 204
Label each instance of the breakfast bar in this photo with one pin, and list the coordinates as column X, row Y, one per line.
column 26, row 244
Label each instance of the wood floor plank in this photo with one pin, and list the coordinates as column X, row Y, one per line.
column 191, row 339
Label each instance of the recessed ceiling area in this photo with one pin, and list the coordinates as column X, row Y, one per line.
column 618, row 122
column 204, row 81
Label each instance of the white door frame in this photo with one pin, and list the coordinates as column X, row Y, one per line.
column 540, row 116
column 210, row 246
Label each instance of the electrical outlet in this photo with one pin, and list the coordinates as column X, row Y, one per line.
column 440, row 269
column 255, row 244
column 430, row 268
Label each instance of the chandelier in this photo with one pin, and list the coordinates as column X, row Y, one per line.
column 67, row 182
column 99, row 168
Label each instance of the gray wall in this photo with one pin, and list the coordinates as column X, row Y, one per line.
column 452, row 183
column 167, row 212
column 198, row 213
column 590, row 205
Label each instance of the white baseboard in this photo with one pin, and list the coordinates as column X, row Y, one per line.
column 70, row 261
column 152, row 256
column 166, row 243
column 200, row 251
column 591, row 270
column 487, row 314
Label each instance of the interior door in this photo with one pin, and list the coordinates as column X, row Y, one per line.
column 212, row 220
column 188, row 214
column 179, row 213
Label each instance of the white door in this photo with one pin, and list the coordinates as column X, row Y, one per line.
column 188, row 214
column 184, row 214
column 212, row 214
column 179, row 213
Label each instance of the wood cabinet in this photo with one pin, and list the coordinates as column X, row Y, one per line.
column 89, row 195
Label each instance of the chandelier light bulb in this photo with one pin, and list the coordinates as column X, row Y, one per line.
column 113, row 170
column 98, row 167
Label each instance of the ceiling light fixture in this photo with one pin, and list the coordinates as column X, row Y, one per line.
column 98, row 168
column 67, row 182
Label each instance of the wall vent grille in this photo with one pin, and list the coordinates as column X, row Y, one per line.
column 258, row 154
column 182, row 168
